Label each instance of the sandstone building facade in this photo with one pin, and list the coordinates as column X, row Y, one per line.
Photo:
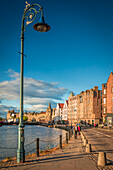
column 89, row 106
column 72, row 109
column 32, row 116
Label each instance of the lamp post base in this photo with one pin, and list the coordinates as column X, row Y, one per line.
column 20, row 156
column 20, row 151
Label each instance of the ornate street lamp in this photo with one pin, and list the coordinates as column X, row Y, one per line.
column 29, row 15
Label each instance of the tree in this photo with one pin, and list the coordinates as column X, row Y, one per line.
column 25, row 118
column 0, row 118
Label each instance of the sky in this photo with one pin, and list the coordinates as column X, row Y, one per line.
column 75, row 55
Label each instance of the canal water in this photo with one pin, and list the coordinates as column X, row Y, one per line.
column 48, row 138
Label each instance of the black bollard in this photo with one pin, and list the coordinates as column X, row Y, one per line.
column 37, row 147
column 60, row 144
column 67, row 138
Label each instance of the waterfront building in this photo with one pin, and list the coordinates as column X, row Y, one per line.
column 65, row 111
column 31, row 116
column 107, row 100
column 53, row 113
column 48, row 116
column 41, row 117
column 12, row 116
column 58, row 112
column 89, row 106
column 72, row 109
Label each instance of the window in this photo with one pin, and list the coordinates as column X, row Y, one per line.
column 112, row 99
column 112, row 89
column 80, row 99
column 105, row 85
column 104, row 110
column 104, row 100
column 112, row 109
column 95, row 93
column 104, row 91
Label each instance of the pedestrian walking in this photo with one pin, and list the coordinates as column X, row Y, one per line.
column 79, row 129
column 75, row 131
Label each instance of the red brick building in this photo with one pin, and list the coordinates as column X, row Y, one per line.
column 107, row 100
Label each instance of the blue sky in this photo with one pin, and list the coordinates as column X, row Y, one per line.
column 75, row 55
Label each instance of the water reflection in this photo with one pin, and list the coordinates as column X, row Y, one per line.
column 9, row 139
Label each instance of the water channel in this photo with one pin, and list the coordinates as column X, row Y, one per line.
column 48, row 137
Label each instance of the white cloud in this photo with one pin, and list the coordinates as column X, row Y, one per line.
column 13, row 74
column 4, row 109
column 37, row 93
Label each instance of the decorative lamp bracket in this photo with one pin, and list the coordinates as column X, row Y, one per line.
column 30, row 14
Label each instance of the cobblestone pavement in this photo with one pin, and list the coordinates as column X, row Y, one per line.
column 71, row 157
column 101, row 140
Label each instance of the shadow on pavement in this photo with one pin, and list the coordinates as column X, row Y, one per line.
column 46, row 160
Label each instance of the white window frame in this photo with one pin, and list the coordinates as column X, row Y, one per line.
column 104, row 91
column 104, row 100
column 104, row 110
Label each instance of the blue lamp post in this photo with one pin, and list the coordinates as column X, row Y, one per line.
column 29, row 16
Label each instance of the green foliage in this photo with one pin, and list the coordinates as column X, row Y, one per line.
column 0, row 118
column 25, row 118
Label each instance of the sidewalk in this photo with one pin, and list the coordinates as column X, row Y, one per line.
column 71, row 157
